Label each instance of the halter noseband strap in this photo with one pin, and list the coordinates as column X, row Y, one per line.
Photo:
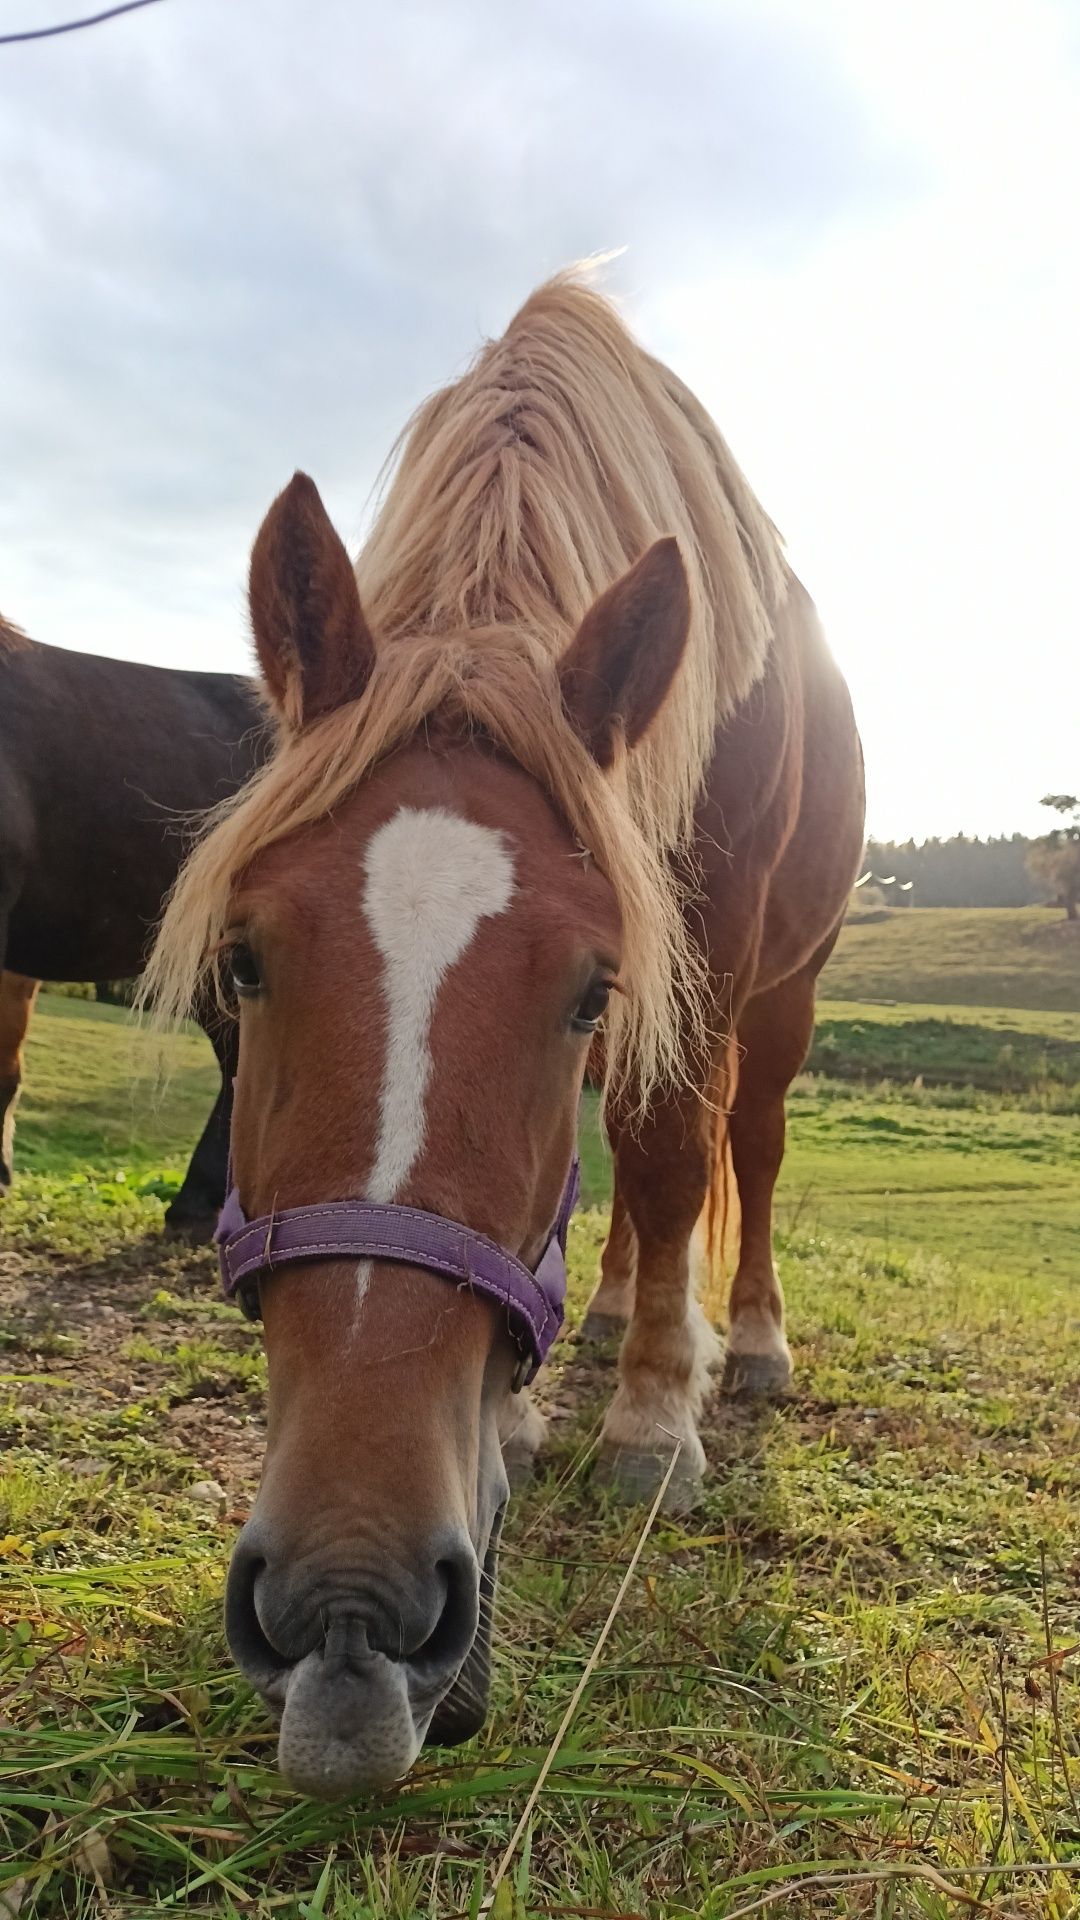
column 360, row 1230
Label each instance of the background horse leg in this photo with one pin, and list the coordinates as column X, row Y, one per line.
column 17, row 996
column 198, row 1203
column 774, row 1030
column 664, row 1170
column 521, row 1424
column 612, row 1303
column 522, row 1427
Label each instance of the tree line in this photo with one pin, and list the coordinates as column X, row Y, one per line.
column 957, row 872
column 1007, row 870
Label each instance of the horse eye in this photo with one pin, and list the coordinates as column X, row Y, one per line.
column 244, row 970
column 592, row 1006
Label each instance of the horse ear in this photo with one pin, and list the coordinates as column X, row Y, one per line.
column 616, row 672
column 313, row 643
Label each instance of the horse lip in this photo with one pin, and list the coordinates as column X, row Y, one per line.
column 348, row 1732
column 274, row 1690
column 274, row 1674
column 426, row 1699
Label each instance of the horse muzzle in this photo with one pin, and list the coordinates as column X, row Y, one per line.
column 362, row 1657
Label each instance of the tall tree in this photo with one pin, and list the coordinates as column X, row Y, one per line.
column 1055, row 857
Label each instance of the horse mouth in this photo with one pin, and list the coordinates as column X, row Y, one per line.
column 353, row 1720
column 357, row 1730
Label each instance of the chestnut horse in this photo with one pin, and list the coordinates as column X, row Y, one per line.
column 564, row 767
column 103, row 763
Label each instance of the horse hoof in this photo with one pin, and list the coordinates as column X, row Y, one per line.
column 633, row 1476
column 602, row 1327
column 520, row 1464
column 753, row 1376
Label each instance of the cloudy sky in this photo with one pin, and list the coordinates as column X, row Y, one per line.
column 241, row 238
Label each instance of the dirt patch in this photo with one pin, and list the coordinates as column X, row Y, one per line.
column 144, row 1329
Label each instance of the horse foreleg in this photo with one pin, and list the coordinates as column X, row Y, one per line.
column 17, row 996
column 521, row 1435
column 612, row 1303
column 663, row 1172
column 775, row 1030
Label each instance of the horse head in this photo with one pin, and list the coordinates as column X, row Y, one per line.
column 421, row 958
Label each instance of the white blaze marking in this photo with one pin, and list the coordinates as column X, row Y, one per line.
column 431, row 877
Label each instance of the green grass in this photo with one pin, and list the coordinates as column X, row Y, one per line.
column 830, row 1689
column 1030, row 1056
column 94, row 1093
column 986, row 1185
column 976, row 956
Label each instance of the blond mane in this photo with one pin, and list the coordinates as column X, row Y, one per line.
column 519, row 494
column 526, row 488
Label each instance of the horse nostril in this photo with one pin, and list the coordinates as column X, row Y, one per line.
column 262, row 1664
column 454, row 1631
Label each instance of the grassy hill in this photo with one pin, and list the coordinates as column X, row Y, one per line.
column 966, row 956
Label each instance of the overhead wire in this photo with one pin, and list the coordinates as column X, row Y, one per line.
column 73, row 26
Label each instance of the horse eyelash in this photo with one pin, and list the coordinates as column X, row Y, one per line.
column 235, row 937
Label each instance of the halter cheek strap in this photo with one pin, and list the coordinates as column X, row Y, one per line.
column 532, row 1298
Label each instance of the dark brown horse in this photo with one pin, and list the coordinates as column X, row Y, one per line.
column 549, row 782
column 103, row 763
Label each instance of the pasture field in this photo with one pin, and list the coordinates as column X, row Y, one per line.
column 849, row 1684
column 947, row 956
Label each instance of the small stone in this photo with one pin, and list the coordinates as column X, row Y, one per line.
column 89, row 1467
column 209, row 1493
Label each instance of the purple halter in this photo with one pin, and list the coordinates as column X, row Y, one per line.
column 359, row 1230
